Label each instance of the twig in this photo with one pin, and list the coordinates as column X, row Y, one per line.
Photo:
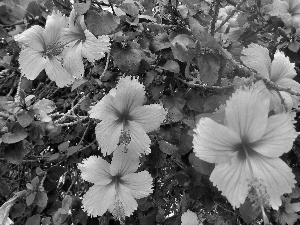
column 84, row 133
column 230, row 15
column 204, row 86
column 112, row 8
column 11, row 25
column 224, row 208
column 72, row 123
column 4, row 115
column 106, row 66
column 71, row 110
column 215, row 17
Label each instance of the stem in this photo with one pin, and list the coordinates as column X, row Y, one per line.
column 215, row 17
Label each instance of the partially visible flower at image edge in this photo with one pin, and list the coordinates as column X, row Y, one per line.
column 116, row 185
column 42, row 50
column 124, row 117
column 280, row 71
column 287, row 10
column 246, row 150
column 81, row 43
column 190, row 218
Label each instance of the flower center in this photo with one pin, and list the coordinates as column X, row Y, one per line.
column 54, row 49
column 118, row 211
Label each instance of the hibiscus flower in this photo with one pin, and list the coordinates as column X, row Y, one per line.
column 246, row 149
column 125, row 119
column 42, row 50
column 287, row 10
column 280, row 71
column 116, row 185
column 81, row 43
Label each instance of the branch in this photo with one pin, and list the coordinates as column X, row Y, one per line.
column 203, row 86
column 71, row 110
column 72, row 123
column 4, row 115
column 106, row 66
column 230, row 15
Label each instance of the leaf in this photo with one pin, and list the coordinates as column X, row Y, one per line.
column 73, row 149
column 4, row 211
column 101, row 23
column 55, row 172
column 14, row 153
column 208, row 65
column 82, row 8
column 17, row 210
column 294, row 46
column 77, row 83
column 45, row 105
column 128, row 59
column 67, row 202
column 25, row 118
column 172, row 66
column 41, row 199
column 248, row 212
column 182, row 47
column 167, row 148
column 34, row 220
column 174, row 115
column 63, row 146
column 175, row 100
column 200, row 165
column 80, row 217
column 30, row 198
column 160, row 42
column 10, row 138
column 85, row 104
column 130, row 8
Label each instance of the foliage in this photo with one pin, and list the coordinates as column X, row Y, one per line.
column 184, row 58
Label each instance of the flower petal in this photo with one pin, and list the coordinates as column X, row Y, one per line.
column 128, row 202
column 190, row 218
column 55, row 22
column 73, row 60
column 281, row 67
column 289, row 83
column 232, row 180
column 105, row 109
column 32, row 63
column 257, row 57
column 33, row 37
column 129, row 94
column 57, row 73
column 140, row 184
column 275, row 102
column 108, row 135
column 247, row 111
column 95, row 170
column 123, row 163
column 278, row 137
column 94, row 48
column 149, row 116
column 140, row 141
column 214, row 142
column 98, row 198
column 275, row 175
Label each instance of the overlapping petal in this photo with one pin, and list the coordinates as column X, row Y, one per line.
column 140, row 141
column 123, row 162
column 94, row 48
column 95, row 170
column 247, row 112
column 73, row 60
column 98, row 199
column 105, row 109
column 129, row 94
column 275, row 175
column 108, row 134
column 278, row 137
column 56, row 72
column 257, row 57
column 33, row 38
column 129, row 204
column 32, row 63
column 232, row 180
column 214, row 142
column 282, row 67
column 140, row 184
column 149, row 116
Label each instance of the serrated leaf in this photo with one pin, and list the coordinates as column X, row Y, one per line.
column 34, row 220
column 41, row 199
column 167, row 148
column 208, row 65
column 200, row 165
column 248, row 212
column 101, row 23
